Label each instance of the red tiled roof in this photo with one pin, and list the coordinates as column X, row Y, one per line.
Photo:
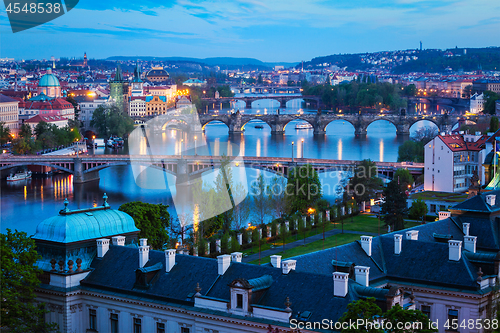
column 457, row 142
column 48, row 119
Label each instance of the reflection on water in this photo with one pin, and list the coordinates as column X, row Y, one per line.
column 24, row 204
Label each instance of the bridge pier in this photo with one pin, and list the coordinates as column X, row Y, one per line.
column 403, row 129
column 248, row 104
column 360, row 131
column 277, row 129
column 79, row 176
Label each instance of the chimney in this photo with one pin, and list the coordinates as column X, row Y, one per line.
column 340, row 284
column 118, row 240
column 470, row 243
column 276, row 261
column 223, row 263
column 102, row 247
column 169, row 259
column 362, row 274
column 465, row 228
column 289, row 265
column 491, row 199
column 366, row 244
column 143, row 252
column 455, row 250
column 398, row 243
column 444, row 215
column 412, row 235
column 236, row 256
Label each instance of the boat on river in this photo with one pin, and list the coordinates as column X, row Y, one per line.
column 21, row 175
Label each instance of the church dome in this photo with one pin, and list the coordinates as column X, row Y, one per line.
column 84, row 224
column 49, row 80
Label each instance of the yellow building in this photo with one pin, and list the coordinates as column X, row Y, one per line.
column 9, row 113
column 156, row 105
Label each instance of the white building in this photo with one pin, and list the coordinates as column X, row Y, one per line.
column 87, row 107
column 9, row 113
column 137, row 106
column 477, row 103
column 451, row 160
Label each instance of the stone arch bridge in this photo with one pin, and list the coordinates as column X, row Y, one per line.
column 278, row 122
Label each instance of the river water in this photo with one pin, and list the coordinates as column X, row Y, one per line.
column 26, row 203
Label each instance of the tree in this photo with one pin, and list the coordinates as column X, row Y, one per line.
column 25, row 131
column 467, row 92
column 111, row 121
column 260, row 199
column 404, row 178
column 411, row 151
column 394, row 208
column 303, row 189
column 180, row 227
column 153, row 221
column 365, row 310
column 493, row 124
column 5, row 135
column 22, row 146
column 20, row 312
column 276, row 195
column 410, row 90
column 490, row 99
column 418, row 210
column 402, row 317
column 365, row 182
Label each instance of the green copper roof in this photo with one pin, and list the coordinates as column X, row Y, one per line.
column 261, row 283
column 49, row 80
column 85, row 224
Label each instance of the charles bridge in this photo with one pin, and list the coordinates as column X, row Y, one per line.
column 319, row 121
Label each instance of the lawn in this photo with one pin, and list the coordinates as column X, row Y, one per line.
column 331, row 241
column 362, row 222
column 439, row 196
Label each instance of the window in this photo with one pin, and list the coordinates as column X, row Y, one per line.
column 114, row 322
column 160, row 327
column 433, row 208
column 92, row 319
column 184, row 330
column 426, row 310
column 137, row 325
column 452, row 319
column 239, row 301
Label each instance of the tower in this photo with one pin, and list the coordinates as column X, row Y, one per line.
column 85, row 59
column 117, row 91
column 420, row 45
column 137, row 84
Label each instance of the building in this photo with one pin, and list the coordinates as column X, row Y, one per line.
column 48, row 106
column 49, row 119
column 477, row 103
column 9, row 113
column 137, row 106
column 157, row 75
column 480, row 86
column 195, row 83
column 88, row 104
column 118, row 91
column 49, row 85
column 136, row 88
column 99, row 277
column 183, row 101
column 156, row 105
column 461, row 153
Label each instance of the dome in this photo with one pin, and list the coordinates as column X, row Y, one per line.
column 85, row 224
column 157, row 71
column 49, row 80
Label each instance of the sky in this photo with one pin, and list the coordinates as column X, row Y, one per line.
column 272, row 30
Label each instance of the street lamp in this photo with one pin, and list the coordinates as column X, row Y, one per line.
column 302, row 148
column 292, row 151
column 195, row 137
column 182, row 143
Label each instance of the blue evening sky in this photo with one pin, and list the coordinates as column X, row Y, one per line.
column 272, row 30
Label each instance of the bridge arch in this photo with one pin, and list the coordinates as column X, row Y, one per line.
column 215, row 120
column 424, row 123
column 297, row 119
column 270, row 99
column 325, row 126
column 55, row 166
column 384, row 120
column 256, row 120
column 174, row 121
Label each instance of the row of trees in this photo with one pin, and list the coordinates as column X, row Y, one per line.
column 44, row 136
column 355, row 95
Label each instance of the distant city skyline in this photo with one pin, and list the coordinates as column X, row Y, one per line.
column 273, row 31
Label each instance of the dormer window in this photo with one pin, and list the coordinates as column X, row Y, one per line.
column 239, row 301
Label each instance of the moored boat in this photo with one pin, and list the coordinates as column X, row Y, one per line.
column 19, row 176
